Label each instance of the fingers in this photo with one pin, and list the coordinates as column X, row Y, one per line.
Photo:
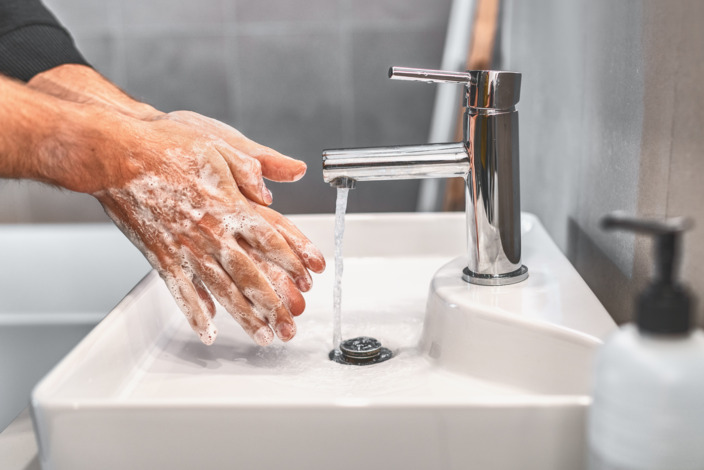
column 273, row 246
column 283, row 285
column 274, row 165
column 255, row 286
column 229, row 296
column 193, row 301
column 188, row 291
column 308, row 253
column 204, row 295
column 232, row 269
column 247, row 172
column 248, row 225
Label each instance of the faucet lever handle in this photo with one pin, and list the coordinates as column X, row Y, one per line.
column 494, row 89
column 430, row 76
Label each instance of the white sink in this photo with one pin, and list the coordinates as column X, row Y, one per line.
column 492, row 378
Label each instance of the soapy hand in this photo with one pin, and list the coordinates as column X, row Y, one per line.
column 267, row 162
column 176, row 195
column 249, row 161
column 189, row 192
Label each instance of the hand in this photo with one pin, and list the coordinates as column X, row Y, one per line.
column 274, row 166
column 200, row 163
column 174, row 194
column 250, row 161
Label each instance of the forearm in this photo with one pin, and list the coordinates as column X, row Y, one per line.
column 50, row 140
column 82, row 84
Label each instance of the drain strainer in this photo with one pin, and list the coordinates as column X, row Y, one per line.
column 360, row 351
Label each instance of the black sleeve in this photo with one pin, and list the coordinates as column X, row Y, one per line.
column 32, row 40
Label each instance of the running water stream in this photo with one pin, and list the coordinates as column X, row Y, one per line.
column 363, row 350
column 340, row 209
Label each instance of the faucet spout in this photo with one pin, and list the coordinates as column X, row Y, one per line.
column 393, row 163
column 343, row 182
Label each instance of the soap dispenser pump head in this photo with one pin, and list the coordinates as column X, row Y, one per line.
column 665, row 306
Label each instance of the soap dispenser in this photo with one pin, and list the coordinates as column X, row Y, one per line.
column 647, row 411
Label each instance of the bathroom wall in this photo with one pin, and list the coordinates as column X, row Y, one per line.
column 297, row 76
column 611, row 119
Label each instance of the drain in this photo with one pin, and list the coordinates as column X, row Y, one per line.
column 361, row 351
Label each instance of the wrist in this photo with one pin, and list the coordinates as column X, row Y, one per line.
column 84, row 149
column 80, row 147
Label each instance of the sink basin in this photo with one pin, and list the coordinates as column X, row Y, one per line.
column 484, row 377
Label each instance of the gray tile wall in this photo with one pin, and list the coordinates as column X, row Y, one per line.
column 611, row 118
column 296, row 76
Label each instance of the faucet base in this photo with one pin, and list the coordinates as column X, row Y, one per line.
column 520, row 274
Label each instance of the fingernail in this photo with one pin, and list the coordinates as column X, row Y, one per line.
column 263, row 336
column 321, row 267
column 285, row 331
column 300, row 173
column 267, row 196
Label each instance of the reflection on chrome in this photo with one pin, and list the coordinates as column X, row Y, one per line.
column 487, row 159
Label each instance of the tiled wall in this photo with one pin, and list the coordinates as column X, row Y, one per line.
column 297, row 76
column 611, row 118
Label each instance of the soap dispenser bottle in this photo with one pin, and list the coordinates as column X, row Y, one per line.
column 647, row 411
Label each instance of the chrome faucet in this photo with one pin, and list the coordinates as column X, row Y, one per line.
column 487, row 159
